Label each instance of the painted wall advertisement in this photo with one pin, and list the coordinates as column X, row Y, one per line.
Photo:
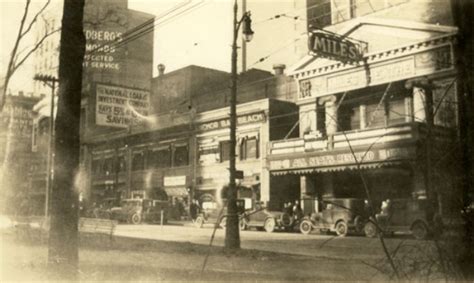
column 120, row 107
column 102, row 50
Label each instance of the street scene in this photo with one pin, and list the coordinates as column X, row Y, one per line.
column 246, row 140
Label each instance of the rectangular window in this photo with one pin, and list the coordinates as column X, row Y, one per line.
column 224, row 147
column 249, row 149
column 348, row 117
column 319, row 13
column 162, row 158
column 375, row 117
column 396, row 112
column 181, row 155
column 96, row 168
column 122, row 167
column 138, row 161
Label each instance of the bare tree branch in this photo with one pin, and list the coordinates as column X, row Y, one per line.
column 33, row 21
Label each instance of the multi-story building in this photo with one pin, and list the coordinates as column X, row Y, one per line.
column 389, row 112
column 16, row 121
column 112, row 59
column 180, row 150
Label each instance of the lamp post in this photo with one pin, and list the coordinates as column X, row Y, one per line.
column 50, row 81
column 232, row 237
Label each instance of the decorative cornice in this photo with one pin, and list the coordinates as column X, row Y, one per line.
column 374, row 57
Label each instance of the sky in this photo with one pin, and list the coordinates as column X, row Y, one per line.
column 201, row 36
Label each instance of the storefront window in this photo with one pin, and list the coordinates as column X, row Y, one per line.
column 224, row 150
column 181, row 156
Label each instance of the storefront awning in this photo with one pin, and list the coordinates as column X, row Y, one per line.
column 336, row 168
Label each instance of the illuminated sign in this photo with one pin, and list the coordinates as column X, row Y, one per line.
column 333, row 46
column 119, row 106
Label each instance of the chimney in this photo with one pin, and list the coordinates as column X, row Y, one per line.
column 161, row 69
column 279, row 69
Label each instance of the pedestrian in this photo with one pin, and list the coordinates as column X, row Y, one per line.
column 297, row 211
column 194, row 209
column 289, row 208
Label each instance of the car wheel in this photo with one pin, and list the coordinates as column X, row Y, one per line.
column 306, row 226
column 341, row 228
column 419, row 230
column 269, row 225
column 370, row 230
column 136, row 218
column 223, row 222
column 199, row 222
column 242, row 224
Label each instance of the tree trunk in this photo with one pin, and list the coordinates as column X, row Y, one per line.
column 63, row 240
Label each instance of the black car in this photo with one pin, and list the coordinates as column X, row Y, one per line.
column 136, row 211
column 340, row 215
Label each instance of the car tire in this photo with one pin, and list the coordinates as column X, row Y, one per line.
column 223, row 222
column 306, row 227
column 370, row 230
column 136, row 219
column 199, row 222
column 341, row 228
column 419, row 230
column 269, row 225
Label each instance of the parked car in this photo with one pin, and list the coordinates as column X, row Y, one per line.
column 340, row 215
column 216, row 214
column 403, row 215
column 260, row 217
column 136, row 211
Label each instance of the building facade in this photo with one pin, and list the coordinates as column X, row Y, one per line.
column 388, row 116
column 16, row 125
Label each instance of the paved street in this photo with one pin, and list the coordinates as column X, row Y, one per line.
column 352, row 248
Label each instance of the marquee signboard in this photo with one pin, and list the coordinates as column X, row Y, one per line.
column 119, row 106
column 333, row 46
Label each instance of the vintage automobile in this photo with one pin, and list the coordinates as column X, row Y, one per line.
column 260, row 217
column 403, row 215
column 136, row 211
column 215, row 213
column 340, row 215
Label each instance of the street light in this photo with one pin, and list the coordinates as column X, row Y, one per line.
column 232, row 237
column 50, row 81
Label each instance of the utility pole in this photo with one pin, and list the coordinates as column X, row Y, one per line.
column 63, row 250
column 51, row 81
column 232, row 237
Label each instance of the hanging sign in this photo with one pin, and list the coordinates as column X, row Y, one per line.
column 333, row 46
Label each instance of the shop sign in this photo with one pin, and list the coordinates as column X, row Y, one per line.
column 225, row 123
column 337, row 47
column 120, row 106
column 170, row 181
column 374, row 155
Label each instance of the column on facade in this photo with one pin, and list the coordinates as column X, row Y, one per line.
column 419, row 104
column 331, row 117
column 308, row 119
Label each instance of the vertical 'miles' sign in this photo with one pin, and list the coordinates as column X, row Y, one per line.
column 333, row 46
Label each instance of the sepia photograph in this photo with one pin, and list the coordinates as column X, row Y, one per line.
column 236, row 140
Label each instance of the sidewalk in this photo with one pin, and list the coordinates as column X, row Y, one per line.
column 140, row 259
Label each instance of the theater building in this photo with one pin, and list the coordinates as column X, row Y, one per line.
column 390, row 116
